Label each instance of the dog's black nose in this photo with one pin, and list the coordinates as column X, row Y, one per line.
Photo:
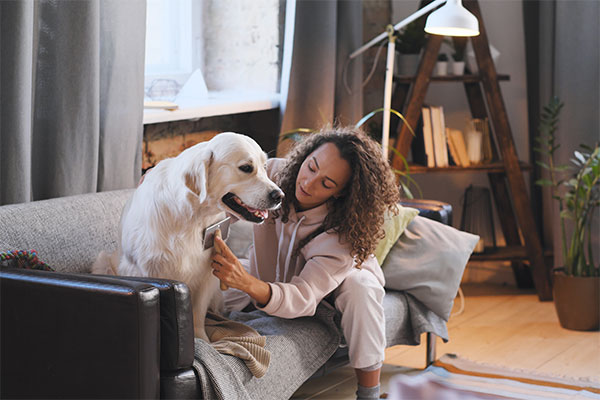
column 276, row 196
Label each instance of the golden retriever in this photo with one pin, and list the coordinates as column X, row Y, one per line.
column 162, row 224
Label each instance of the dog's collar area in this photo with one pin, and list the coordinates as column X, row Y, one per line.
column 248, row 213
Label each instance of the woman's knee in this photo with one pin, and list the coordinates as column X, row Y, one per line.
column 359, row 290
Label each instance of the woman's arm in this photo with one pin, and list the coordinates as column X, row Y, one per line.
column 230, row 271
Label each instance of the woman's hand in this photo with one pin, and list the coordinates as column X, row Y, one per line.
column 230, row 271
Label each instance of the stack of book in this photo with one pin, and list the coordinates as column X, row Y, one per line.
column 442, row 146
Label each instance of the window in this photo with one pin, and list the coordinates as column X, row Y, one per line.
column 173, row 45
column 235, row 44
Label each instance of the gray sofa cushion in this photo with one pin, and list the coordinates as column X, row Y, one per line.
column 428, row 262
column 68, row 232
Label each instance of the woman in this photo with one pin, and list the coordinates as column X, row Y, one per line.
column 337, row 188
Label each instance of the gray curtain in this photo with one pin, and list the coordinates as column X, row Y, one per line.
column 319, row 36
column 71, row 86
column 563, row 50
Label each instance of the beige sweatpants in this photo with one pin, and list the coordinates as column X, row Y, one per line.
column 360, row 300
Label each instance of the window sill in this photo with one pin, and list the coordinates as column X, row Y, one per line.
column 217, row 103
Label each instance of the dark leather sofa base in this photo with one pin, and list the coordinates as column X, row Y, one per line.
column 182, row 384
column 77, row 336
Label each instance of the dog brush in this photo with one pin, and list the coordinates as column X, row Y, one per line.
column 221, row 229
column 222, row 285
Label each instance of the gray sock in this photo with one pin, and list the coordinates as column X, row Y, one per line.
column 367, row 393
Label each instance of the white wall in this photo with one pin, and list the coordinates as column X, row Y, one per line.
column 241, row 44
column 504, row 25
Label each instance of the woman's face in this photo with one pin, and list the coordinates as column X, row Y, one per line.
column 323, row 174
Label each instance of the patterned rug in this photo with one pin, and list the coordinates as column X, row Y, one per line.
column 452, row 377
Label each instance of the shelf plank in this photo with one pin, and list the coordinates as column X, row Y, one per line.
column 505, row 253
column 490, row 167
column 449, row 78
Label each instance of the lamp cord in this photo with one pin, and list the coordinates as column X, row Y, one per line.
column 371, row 73
column 461, row 296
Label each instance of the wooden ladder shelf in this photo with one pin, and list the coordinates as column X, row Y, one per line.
column 505, row 176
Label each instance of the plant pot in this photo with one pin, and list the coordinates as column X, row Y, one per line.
column 577, row 301
column 407, row 64
column 441, row 68
column 458, row 68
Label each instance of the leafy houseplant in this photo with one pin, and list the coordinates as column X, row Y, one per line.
column 411, row 39
column 576, row 188
column 409, row 42
column 441, row 67
column 458, row 60
column 459, row 53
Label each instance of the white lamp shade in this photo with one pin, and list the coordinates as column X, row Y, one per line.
column 452, row 19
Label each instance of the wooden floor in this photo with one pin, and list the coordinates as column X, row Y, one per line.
column 500, row 325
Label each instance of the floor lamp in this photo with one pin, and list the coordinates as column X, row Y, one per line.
column 450, row 20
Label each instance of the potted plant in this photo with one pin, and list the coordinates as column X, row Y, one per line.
column 409, row 42
column 441, row 67
column 458, row 60
column 576, row 188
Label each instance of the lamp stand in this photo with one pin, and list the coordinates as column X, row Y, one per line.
column 387, row 93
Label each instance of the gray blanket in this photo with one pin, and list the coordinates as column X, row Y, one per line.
column 298, row 348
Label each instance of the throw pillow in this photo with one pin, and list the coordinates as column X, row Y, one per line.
column 428, row 261
column 393, row 226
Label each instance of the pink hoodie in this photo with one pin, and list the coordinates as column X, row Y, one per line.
column 298, row 284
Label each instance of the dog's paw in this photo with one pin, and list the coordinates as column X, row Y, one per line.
column 201, row 334
column 104, row 264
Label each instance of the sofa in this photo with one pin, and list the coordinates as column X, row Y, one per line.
column 69, row 334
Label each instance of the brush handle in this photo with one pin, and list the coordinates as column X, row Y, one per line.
column 218, row 250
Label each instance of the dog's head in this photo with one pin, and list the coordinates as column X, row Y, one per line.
column 229, row 172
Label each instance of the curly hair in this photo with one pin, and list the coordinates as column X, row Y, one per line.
column 358, row 214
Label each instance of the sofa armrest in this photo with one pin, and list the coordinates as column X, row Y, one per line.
column 77, row 336
column 176, row 323
column 432, row 209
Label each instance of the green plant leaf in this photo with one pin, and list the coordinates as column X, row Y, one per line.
column 566, row 214
column 295, row 134
column 579, row 157
column 374, row 112
column 407, row 191
column 544, row 182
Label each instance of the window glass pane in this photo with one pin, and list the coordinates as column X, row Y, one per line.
column 234, row 43
column 168, row 40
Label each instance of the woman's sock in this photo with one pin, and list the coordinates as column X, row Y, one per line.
column 367, row 393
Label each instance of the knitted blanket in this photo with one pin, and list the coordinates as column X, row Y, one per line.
column 240, row 340
column 298, row 347
column 26, row 259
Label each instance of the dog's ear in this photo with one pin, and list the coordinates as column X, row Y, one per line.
column 197, row 179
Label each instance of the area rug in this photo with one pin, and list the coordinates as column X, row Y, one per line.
column 453, row 377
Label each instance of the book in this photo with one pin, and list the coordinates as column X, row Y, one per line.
column 458, row 142
column 161, row 105
column 428, row 136
column 440, row 144
column 417, row 146
column 453, row 159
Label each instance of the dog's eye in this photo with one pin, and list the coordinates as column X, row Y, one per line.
column 247, row 168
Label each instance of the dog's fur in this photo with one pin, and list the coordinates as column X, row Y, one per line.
column 162, row 224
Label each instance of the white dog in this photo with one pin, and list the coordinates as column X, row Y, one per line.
column 162, row 224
